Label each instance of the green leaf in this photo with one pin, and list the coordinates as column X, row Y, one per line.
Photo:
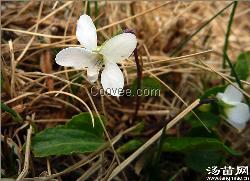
column 130, row 146
column 205, row 107
column 199, row 160
column 82, row 121
column 201, row 131
column 76, row 136
column 186, row 144
column 149, row 87
column 213, row 91
column 208, row 118
column 12, row 112
column 242, row 65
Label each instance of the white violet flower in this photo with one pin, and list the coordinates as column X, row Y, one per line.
column 237, row 113
column 93, row 57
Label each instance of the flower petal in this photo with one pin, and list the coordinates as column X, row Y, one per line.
column 86, row 32
column 112, row 79
column 238, row 115
column 231, row 94
column 220, row 95
column 92, row 73
column 119, row 47
column 75, row 57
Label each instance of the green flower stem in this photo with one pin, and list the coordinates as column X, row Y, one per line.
column 88, row 8
column 156, row 158
column 96, row 12
column 236, row 76
column 228, row 33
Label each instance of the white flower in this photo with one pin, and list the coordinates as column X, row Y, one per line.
column 93, row 57
column 237, row 113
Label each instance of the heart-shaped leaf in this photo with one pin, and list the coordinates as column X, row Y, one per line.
column 76, row 136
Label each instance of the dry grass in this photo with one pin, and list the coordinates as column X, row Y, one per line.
column 40, row 90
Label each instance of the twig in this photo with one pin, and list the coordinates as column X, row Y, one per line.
column 33, row 37
column 173, row 59
column 77, row 98
column 142, row 112
column 90, row 171
column 27, row 156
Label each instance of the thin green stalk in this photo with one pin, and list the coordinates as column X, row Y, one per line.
column 236, row 76
column 230, row 22
column 96, row 11
column 185, row 41
column 88, row 8
column 155, row 162
column 159, row 146
column 233, row 71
